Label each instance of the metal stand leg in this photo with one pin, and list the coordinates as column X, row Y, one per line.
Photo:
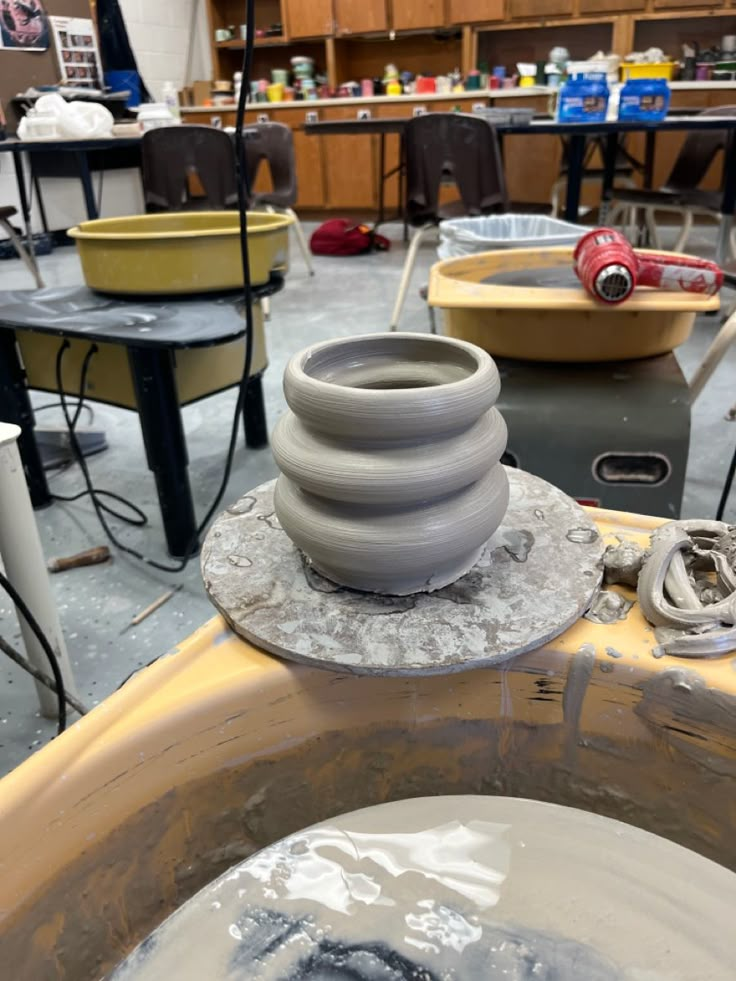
column 15, row 406
column 254, row 415
column 86, row 178
column 23, row 198
column 26, row 568
column 163, row 435
column 575, row 159
column 411, row 258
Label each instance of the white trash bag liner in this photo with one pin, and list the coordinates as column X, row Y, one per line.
column 466, row 236
column 68, row 120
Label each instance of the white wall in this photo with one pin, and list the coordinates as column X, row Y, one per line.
column 159, row 33
column 161, row 36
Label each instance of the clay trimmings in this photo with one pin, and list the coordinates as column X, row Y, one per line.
column 390, row 476
column 686, row 585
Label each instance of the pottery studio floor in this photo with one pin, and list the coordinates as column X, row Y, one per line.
column 346, row 296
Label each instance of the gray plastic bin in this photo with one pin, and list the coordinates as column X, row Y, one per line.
column 466, row 236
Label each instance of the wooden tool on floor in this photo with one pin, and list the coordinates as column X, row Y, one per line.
column 152, row 607
column 92, row 556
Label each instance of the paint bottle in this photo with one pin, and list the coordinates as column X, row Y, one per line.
column 171, row 99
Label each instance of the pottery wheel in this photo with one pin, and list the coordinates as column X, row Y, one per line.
column 454, row 889
column 536, row 576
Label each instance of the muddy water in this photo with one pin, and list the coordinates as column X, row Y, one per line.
column 454, row 889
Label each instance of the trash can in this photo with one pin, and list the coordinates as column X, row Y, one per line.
column 466, row 236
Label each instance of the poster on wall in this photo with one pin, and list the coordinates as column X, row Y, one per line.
column 77, row 52
column 24, row 25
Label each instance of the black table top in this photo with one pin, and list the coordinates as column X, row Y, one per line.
column 14, row 145
column 173, row 322
column 535, row 127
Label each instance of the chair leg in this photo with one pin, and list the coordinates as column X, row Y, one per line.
column 301, row 239
column 687, row 224
column 652, row 228
column 411, row 258
column 28, row 258
column 713, row 356
column 615, row 210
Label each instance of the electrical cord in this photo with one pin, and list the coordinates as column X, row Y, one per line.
column 22, row 608
column 140, row 519
column 243, row 197
column 57, row 405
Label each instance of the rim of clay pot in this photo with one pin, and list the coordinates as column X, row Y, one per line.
column 320, row 385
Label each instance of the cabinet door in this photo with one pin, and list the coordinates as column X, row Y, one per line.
column 308, row 18
column 679, row 4
column 350, row 166
column 411, row 15
column 360, row 16
column 539, row 8
column 475, row 11
column 610, row 6
column 310, row 175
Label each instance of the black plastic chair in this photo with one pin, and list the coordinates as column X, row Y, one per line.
column 680, row 193
column 273, row 144
column 440, row 148
column 188, row 168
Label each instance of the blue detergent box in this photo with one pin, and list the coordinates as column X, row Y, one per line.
column 644, row 100
column 583, row 99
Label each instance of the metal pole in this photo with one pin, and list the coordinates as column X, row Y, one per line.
column 25, row 566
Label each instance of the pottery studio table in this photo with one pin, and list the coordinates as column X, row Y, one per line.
column 218, row 749
column 153, row 357
column 576, row 135
column 70, row 158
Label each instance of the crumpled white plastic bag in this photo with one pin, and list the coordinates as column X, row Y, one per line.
column 74, row 120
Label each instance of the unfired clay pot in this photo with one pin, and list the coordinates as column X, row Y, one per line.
column 390, row 475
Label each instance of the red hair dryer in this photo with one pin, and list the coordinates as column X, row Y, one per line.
column 609, row 268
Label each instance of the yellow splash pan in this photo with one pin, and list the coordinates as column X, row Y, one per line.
column 218, row 749
column 555, row 324
column 179, row 252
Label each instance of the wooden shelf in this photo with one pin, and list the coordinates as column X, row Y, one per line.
column 260, row 42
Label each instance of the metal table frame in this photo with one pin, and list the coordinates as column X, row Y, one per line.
column 577, row 135
column 152, row 365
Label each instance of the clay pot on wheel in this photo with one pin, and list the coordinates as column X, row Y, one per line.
column 390, row 475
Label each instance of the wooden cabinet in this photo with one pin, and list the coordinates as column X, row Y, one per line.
column 349, row 165
column 475, row 11
column 412, row 15
column 679, row 4
column 610, row 6
column 308, row 18
column 360, row 16
column 539, row 8
column 531, row 163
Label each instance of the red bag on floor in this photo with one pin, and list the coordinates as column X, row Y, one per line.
column 339, row 236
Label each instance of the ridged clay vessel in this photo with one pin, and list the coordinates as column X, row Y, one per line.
column 389, row 456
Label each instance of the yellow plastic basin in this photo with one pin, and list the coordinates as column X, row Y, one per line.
column 552, row 323
column 179, row 252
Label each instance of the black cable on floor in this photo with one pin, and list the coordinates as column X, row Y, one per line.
column 140, row 519
column 727, row 488
column 22, row 608
column 243, row 197
column 57, row 405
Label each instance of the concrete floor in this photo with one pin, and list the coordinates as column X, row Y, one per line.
column 346, row 296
